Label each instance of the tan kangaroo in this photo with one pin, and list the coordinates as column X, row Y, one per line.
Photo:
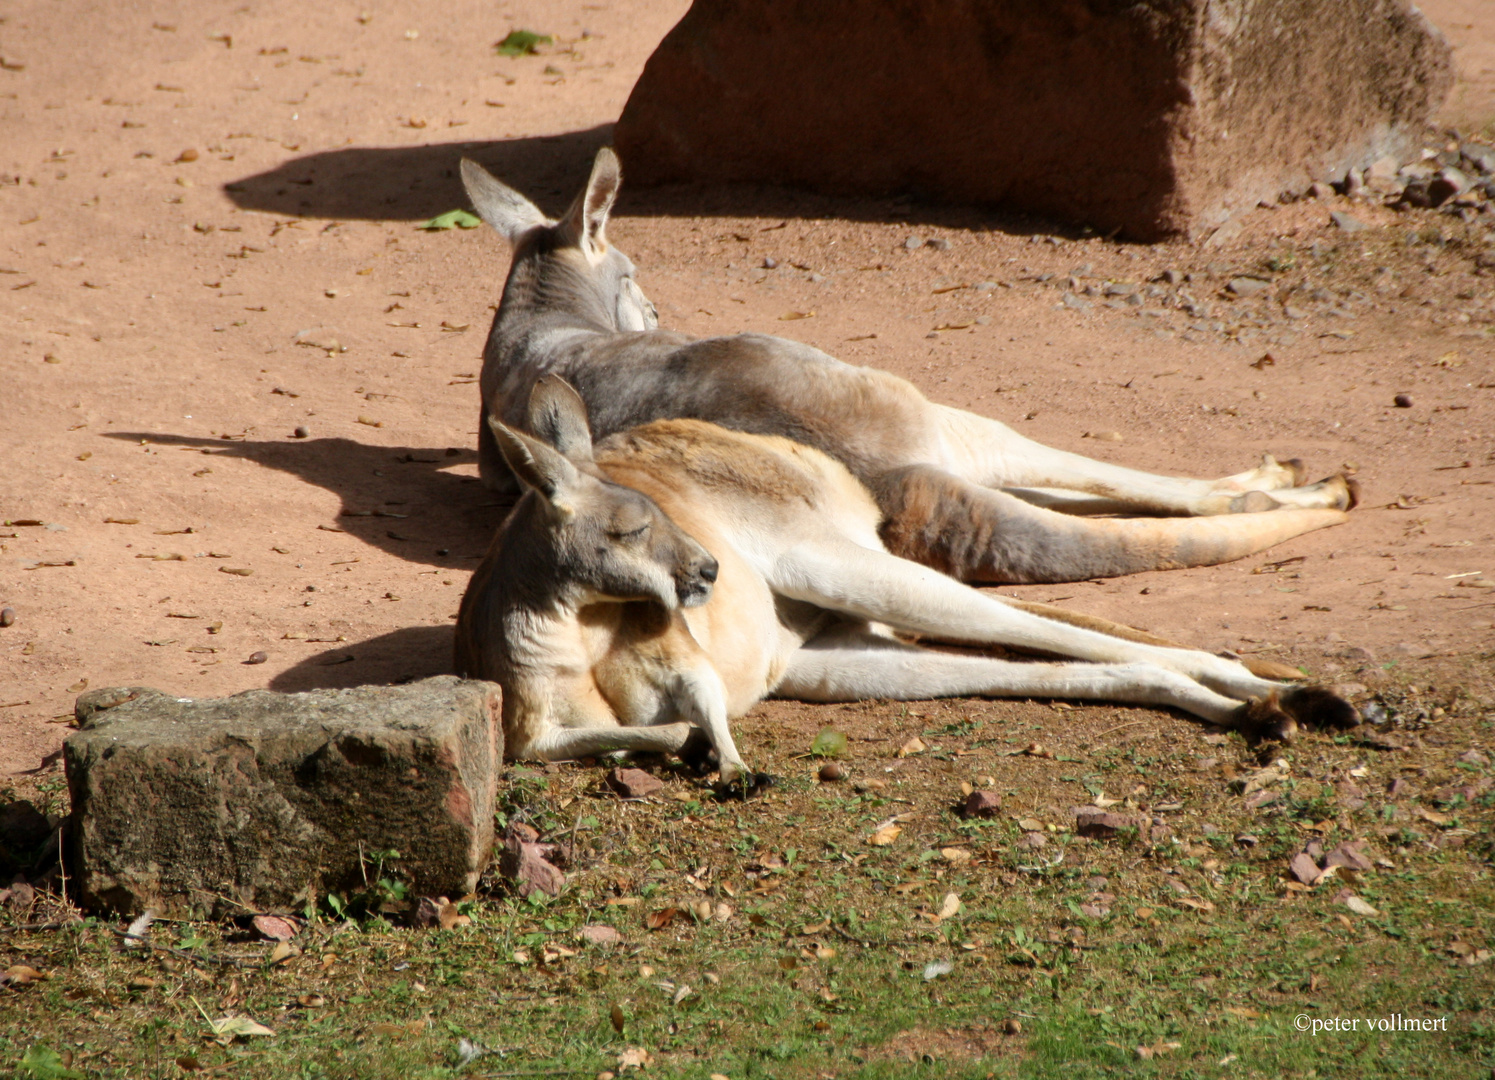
column 958, row 492
column 663, row 583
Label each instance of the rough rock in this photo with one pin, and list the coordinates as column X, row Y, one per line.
column 634, row 783
column 981, row 804
column 1154, row 119
column 526, row 862
column 267, row 800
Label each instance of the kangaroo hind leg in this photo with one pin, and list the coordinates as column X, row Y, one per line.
column 975, row 533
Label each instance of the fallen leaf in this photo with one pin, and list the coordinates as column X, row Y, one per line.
column 282, row 952
column 658, row 920
column 828, row 743
column 617, row 1018
column 885, row 835
column 227, row 1028
column 950, row 906
column 521, row 43
column 912, row 747
column 955, row 855
column 452, row 219
column 20, row 975
column 634, row 1057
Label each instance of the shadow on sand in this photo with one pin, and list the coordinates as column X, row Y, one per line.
column 398, row 499
column 416, row 183
column 400, row 656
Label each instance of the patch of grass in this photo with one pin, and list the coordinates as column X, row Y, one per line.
column 1185, row 955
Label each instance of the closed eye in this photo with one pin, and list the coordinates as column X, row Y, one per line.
column 632, row 534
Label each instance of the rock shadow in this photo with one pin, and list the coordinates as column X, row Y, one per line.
column 398, row 499
column 400, row 656
column 415, row 183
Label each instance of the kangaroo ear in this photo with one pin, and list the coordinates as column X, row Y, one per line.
column 537, row 466
column 498, row 204
column 559, row 416
column 585, row 224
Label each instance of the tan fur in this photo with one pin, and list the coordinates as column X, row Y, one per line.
column 757, row 570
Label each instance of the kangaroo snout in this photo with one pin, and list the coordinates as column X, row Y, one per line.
column 693, row 587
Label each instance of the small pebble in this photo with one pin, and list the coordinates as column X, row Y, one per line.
column 187, row 155
column 256, row 658
column 770, row 263
column 830, row 772
column 913, row 243
column 300, row 433
column 1402, row 401
column 7, row 616
column 939, row 243
column 1013, row 1027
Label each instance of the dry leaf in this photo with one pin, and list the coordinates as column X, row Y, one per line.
column 282, row 952
column 913, row 746
column 949, row 907
column 634, row 1057
column 885, row 835
column 227, row 1028
column 19, row 975
column 955, row 855
column 658, row 920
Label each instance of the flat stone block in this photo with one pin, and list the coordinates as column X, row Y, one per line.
column 1152, row 119
column 266, row 801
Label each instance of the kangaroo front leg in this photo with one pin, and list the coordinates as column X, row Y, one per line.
column 701, row 698
column 565, row 744
column 856, row 667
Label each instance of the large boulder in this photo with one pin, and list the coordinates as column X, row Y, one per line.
column 1151, row 119
column 266, row 801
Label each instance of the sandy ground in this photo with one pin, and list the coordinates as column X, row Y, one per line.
column 207, row 241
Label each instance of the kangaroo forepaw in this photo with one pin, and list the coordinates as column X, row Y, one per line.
column 738, row 785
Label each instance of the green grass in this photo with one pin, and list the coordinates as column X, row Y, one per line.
column 820, row 969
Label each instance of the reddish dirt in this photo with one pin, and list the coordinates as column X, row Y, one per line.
column 185, row 216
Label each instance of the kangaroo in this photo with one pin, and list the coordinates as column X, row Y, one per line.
column 958, row 492
column 650, row 589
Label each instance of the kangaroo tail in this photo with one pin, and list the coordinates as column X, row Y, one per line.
column 984, row 535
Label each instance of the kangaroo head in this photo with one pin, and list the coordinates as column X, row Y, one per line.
column 566, row 263
column 604, row 541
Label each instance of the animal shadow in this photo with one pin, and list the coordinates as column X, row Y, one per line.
column 398, row 499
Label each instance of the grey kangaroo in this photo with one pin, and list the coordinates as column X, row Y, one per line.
column 958, row 492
